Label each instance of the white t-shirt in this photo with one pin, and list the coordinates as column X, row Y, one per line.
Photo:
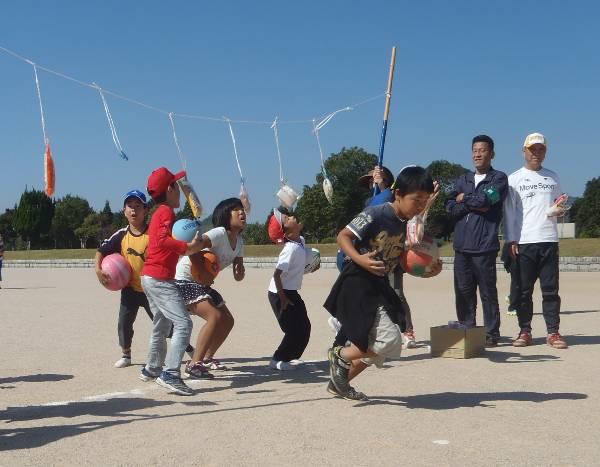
column 530, row 194
column 291, row 261
column 479, row 178
column 220, row 247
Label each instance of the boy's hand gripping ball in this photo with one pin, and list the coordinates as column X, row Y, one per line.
column 118, row 271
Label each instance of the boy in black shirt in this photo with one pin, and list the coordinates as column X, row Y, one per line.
column 362, row 298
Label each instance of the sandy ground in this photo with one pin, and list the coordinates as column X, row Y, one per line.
column 63, row 403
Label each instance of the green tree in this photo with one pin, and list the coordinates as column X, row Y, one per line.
column 33, row 217
column 69, row 214
column 91, row 228
column 322, row 219
column 185, row 213
column 439, row 222
column 587, row 210
column 6, row 227
column 256, row 234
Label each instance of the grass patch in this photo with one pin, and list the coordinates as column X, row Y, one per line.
column 568, row 247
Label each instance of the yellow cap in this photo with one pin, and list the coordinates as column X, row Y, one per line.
column 534, row 138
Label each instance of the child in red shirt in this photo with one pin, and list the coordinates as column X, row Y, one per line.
column 159, row 285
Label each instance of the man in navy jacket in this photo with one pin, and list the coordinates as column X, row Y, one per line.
column 476, row 205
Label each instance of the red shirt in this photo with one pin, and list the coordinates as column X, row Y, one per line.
column 163, row 250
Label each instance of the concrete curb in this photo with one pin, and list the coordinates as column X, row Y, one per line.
column 566, row 263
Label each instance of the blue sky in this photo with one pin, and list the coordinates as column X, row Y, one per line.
column 463, row 68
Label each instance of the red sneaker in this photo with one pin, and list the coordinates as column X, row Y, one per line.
column 523, row 339
column 556, row 341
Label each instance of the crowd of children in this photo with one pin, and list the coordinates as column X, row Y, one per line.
column 367, row 303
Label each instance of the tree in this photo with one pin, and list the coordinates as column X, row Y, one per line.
column 69, row 214
column 185, row 213
column 91, row 228
column 6, row 227
column 256, row 234
column 587, row 210
column 33, row 217
column 322, row 219
column 439, row 223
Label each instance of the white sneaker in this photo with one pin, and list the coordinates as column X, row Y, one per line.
column 283, row 366
column 334, row 324
column 408, row 340
column 123, row 362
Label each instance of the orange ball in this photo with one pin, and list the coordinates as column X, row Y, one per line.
column 205, row 267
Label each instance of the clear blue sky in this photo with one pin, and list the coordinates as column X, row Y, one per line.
column 463, row 68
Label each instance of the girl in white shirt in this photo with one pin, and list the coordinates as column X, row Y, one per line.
column 226, row 243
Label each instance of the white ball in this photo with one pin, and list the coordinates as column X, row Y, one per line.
column 313, row 260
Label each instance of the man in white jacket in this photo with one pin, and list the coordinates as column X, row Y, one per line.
column 530, row 211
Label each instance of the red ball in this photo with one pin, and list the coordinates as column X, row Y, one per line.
column 118, row 270
column 418, row 259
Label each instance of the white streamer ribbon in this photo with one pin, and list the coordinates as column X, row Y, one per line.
column 276, row 132
column 180, row 154
column 237, row 160
column 39, row 95
column 111, row 125
column 316, row 132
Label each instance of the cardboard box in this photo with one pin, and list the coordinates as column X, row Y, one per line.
column 457, row 343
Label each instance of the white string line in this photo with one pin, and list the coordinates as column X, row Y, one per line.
column 111, row 125
column 39, row 95
column 276, row 131
column 234, row 148
column 316, row 132
column 181, row 158
column 157, row 109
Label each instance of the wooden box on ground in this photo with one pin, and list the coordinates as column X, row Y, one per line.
column 457, row 343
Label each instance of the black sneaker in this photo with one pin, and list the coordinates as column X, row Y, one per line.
column 198, row 370
column 174, row 384
column 491, row 341
column 350, row 395
column 338, row 369
column 146, row 376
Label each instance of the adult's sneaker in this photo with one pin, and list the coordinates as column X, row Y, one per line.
column 351, row 395
column 146, row 375
column 409, row 340
column 198, row 370
column 123, row 362
column 174, row 384
column 338, row 369
column 523, row 339
column 556, row 341
column 282, row 366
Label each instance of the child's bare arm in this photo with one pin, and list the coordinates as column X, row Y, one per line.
column 199, row 243
column 102, row 276
column 366, row 261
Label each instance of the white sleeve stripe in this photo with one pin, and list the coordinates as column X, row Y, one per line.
column 353, row 231
column 107, row 240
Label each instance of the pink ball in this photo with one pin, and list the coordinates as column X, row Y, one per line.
column 118, row 270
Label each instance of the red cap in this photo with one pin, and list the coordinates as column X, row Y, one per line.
column 160, row 179
column 275, row 228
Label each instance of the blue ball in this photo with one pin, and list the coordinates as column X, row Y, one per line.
column 185, row 229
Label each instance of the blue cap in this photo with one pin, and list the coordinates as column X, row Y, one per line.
column 135, row 194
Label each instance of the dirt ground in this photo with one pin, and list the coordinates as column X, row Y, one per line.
column 63, row 403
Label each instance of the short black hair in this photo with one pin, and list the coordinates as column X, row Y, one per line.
column 221, row 216
column 413, row 178
column 483, row 139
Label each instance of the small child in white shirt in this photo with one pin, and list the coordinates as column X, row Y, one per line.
column 285, row 300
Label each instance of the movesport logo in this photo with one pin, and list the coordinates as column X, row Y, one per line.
column 537, row 187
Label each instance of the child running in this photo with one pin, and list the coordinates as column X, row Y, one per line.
column 163, row 294
column 226, row 243
column 362, row 298
column 283, row 295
